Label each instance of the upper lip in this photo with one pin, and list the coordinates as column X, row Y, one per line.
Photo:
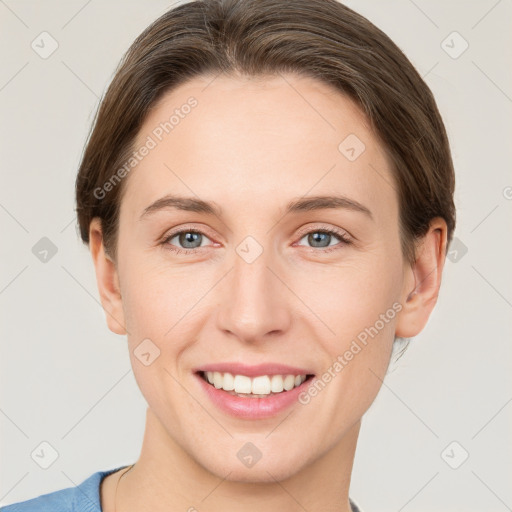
column 253, row 370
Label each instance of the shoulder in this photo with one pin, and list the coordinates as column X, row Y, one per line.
column 80, row 498
column 58, row 501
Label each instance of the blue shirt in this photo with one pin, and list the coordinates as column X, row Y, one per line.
column 82, row 498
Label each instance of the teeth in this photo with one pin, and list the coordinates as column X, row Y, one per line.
column 289, row 382
column 228, row 383
column 276, row 384
column 242, row 384
column 262, row 385
column 217, row 380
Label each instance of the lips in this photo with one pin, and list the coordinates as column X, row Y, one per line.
column 253, row 391
column 252, row 407
column 254, row 370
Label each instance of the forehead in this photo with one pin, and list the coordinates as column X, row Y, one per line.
column 258, row 142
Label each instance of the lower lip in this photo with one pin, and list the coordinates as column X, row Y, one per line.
column 252, row 408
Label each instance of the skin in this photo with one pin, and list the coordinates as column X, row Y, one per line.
column 252, row 146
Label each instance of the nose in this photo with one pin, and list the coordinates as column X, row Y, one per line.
column 254, row 304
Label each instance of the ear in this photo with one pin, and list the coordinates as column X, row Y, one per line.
column 107, row 279
column 423, row 280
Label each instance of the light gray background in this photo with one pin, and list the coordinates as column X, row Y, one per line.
column 66, row 379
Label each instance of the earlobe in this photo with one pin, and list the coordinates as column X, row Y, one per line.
column 421, row 289
column 107, row 279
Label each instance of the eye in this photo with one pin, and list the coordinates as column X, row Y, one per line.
column 321, row 238
column 189, row 239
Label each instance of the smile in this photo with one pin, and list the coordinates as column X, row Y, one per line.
column 252, row 398
column 261, row 386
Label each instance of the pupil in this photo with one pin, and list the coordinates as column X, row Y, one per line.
column 189, row 237
column 317, row 237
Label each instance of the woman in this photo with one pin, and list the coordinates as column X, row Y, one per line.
column 267, row 194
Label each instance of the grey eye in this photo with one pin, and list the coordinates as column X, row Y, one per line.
column 188, row 239
column 320, row 238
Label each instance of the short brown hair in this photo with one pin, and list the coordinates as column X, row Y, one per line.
column 322, row 39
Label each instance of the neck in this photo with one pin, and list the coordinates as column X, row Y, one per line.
column 165, row 475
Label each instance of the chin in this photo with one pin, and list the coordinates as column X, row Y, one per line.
column 268, row 469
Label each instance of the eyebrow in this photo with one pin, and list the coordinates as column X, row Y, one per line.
column 327, row 202
column 189, row 204
column 311, row 203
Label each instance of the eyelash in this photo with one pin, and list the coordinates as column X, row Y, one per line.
column 330, row 231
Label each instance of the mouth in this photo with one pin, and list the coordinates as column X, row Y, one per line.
column 259, row 386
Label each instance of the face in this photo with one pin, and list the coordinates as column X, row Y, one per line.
column 248, row 279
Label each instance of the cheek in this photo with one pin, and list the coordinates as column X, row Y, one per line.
column 351, row 297
column 159, row 307
column 166, row 305
column 360, row 312
column 156, row 296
